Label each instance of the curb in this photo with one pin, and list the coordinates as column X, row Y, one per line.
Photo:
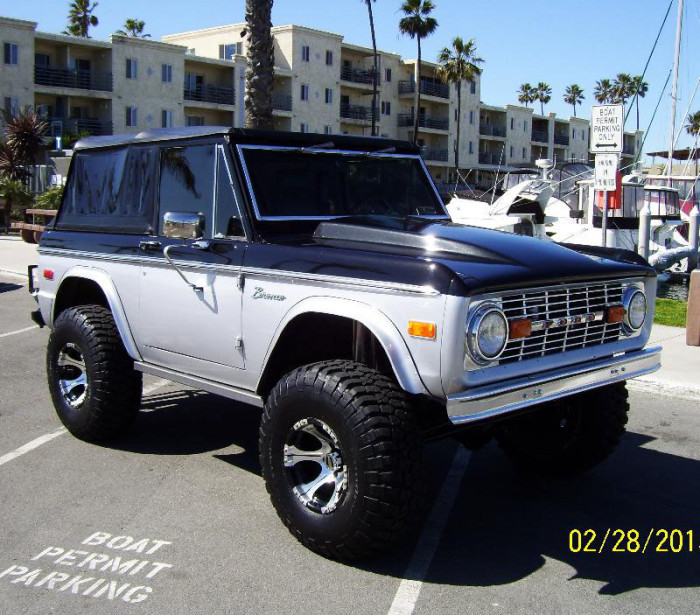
column 667, row 388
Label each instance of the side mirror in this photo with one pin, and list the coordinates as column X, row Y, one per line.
column 183, row 225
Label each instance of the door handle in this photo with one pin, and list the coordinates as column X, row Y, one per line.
column 149, row 245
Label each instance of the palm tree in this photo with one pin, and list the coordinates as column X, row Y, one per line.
column 603, row 91
column 573, row 95
column 693, row 128
column 526, row 94
column 261, row 64
column 622, row 88
column 134, row 28
column 375, row 72
column 543, row 93
column 639, row 90
column 417, row 24
column 456, row 65
column 80, row 18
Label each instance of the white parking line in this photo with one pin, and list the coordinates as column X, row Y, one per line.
column 30, row 446
column 417, row 569
column 19, row 331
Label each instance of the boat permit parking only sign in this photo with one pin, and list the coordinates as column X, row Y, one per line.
column 605, row 176
column 607, row 122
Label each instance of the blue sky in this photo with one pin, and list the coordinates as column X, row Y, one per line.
column 557, row 41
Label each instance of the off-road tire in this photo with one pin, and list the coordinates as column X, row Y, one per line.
column 568, row 436
column 112, row 396
column 381, row 449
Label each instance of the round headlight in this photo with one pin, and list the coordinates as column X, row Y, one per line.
column 635, row 304
column 487, row 333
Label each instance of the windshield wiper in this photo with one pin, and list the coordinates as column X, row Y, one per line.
column 311, row 148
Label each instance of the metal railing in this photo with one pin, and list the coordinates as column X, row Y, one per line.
column 561, row 139
column 628, row 149
column 357, row 112
column 358, row 75
column 72, row 78
column 424, row 121
column 540, row 136
column 282, row 102
column 489, row 158
column 441, row 90
column 95, row 128
column 490, row 129
column 437, row 155
column 218, row 94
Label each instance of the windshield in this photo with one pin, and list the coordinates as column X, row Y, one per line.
column 317, row 184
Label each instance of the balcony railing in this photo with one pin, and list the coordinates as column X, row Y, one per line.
column 489, row 158
column 358, row 75
column 357, row 112
column 424, row 121
column 71, row 78
column 629, row 150
column 494, row 131
column 437, row 155
column 219, row 94
column 58, row 127
column 281, row 102
column 561, row 139
column 441, row 90
column 540, row 136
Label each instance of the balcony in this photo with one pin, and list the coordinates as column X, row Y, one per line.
column 540, row 136
column 628, row 150
column 436, row 155
column 489, row 158
column 58, row 127
column 218, row 94
column 281, row 102
column 440, row 90
column 358, row 75
column 357, row 112
column 71, row 78
column 424, row 121
column 492, row 131
column 561, row 139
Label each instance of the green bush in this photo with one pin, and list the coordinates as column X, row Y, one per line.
column 50, row 199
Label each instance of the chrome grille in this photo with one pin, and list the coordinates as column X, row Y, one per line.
column 562, row 302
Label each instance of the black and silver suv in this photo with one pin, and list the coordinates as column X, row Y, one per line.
column 319, row 278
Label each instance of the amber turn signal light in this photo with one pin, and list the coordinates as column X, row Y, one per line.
column 615, row 313
column 422, row 329
column 519, row 329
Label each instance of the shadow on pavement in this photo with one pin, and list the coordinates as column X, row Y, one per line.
column 9, row 286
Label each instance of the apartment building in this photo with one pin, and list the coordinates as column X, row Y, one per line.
column 321, row 84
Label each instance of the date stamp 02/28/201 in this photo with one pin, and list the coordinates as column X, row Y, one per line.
column 616, row 540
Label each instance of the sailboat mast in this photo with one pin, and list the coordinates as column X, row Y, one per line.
column 674, row 90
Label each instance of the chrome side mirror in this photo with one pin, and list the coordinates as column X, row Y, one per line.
column 183, row 225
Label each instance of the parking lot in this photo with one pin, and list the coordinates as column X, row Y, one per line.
column 175, row 518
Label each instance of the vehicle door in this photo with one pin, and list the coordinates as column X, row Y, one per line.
column 190, row 300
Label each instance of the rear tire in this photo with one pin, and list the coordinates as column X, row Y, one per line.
column 93, row 384
column 351, row 428
column 570, row 435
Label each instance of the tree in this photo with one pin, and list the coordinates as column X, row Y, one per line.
column 261, row 64
column 693, row 129
column 603, row 91
column 622, row 88
column 543, row 94
column 526, row 94
column 134, row 28
column 417, row 24
column 24, row 134
column 456, row 65
column 375, row 71
column 639, row 90
column 80, row 18
column 573, row 95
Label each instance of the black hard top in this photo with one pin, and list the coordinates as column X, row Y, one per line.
column 247, row 136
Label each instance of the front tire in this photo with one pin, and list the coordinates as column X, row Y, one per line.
column 93, row 384
column 568, row 436
column 341, row 457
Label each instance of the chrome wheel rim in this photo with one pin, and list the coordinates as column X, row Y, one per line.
column 72, row 375
column 313, row 460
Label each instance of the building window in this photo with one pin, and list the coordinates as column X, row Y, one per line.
column 456, row 116
column 166, row 73
column 329, row 96
column 132, row 68
column 305, row 53
column 304, row 127
column 11, row 105
column 11, row 53
column 305, row 91
column 226, row 52
column 512, row 123
column 471, row 117
column 131, row 116
column 386, row 107
column 472, row 87
column 329, row 58
column 328, row 130
column 512, row 152
column 194, row 120
column 471, row 147
column 523, row 153
column 573, row 133
column 524, row 125
column 191, row 51
column 166, row 118
column 387, row 75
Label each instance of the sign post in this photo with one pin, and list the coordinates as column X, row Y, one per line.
column 607, row 136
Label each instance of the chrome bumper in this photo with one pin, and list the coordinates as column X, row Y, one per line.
column 501, row 398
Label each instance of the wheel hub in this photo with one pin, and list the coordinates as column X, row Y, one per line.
column 72, row 375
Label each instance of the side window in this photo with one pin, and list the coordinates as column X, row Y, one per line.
column 187, row 182
column 228, row 215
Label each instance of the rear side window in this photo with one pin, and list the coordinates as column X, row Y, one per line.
column 110, row 190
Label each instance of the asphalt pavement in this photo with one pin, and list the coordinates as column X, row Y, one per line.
column 174, row 518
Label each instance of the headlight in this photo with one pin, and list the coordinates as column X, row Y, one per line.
column 635, row 304
column 487, row 333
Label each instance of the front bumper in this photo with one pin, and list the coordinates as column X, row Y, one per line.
column 494, row 400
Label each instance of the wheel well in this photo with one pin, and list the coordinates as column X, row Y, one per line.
column 313, row 337
column 78, row 291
